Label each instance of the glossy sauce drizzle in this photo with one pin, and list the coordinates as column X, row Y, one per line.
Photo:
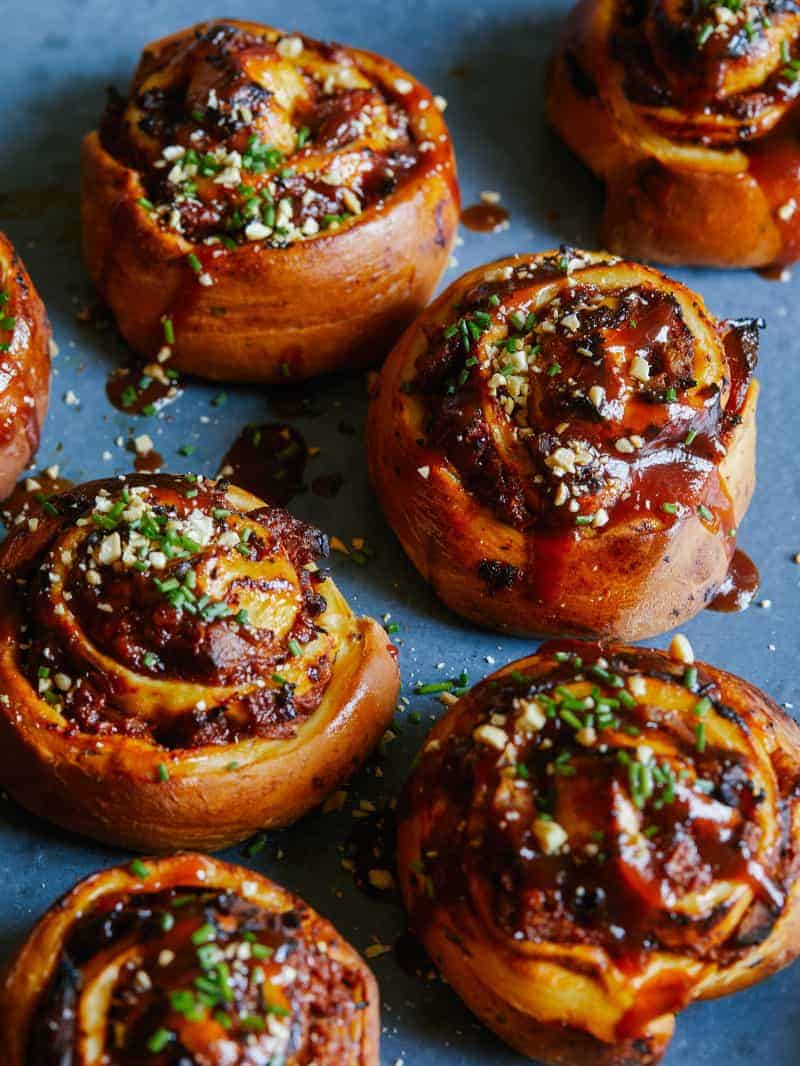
column 700, row 803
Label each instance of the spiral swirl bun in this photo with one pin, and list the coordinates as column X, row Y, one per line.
column 25, row 341
column 186, row 959
column 253, row 180
column 594, row 837
column 689, row 113
column 174, row 669
column 564, row 444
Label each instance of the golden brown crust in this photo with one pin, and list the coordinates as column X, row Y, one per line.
column 147, row 962
column 188, row 701
column 691, row 121
column 580, row 873
column 516, row 464
column 256, row 311
column 25, row 361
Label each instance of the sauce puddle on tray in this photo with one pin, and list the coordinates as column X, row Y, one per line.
column 268, row 460
column 142, row 390
column 739, row 587
column 484, row 217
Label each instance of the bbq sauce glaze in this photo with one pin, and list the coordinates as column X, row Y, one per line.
column 199, row 973
column 718, row 83
column 554, row 821
column 282, row 114
column 167, row 580
column 595, row 409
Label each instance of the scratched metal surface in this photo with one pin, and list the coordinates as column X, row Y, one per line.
column 58, row 57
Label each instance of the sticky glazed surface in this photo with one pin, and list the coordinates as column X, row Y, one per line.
column 187, row 959
column 593, row 837
column 552, row 412
column 240, row 152
column 176, row 627
column 695, row 119
column 241, row 134
column 24, row 366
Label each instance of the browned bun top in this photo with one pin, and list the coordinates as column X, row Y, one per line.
column 25, row 342
column 609, row 799
column 172, row 608
column 731, row 69
column 574, row 391
column 188, row 959
column 242, row 133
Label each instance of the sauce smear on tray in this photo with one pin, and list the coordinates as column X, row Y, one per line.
column 739, row 587
column 269, row 461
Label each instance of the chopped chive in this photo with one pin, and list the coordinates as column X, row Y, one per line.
column 256, row 845
column 700, row 736
column 163, row 772
column 204, row 934
column 138, row 869
column 169, row 330
column 159, row 1040
column 433, row 687
column 274, row 1008
column 194, row 262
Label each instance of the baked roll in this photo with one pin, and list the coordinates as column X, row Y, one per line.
column 175, row 670
column 688, row 112
column 186, row 959
column 564, row 444
column 251, row 183
column 593, row 838
column 25, row 341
